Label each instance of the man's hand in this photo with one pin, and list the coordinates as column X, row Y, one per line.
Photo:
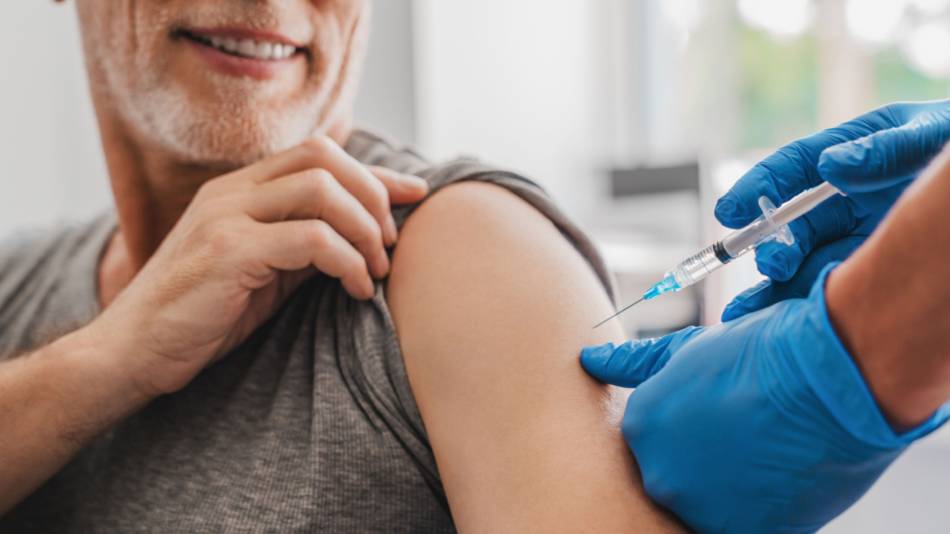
column 245, row 242
column 761, row 424
column 871, row 159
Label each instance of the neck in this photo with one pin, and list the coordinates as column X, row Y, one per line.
column 151, row 192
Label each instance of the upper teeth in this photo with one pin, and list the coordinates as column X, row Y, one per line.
column 253, row 49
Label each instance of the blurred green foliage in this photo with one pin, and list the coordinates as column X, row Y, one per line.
column 778, row 84
column 778, row 88
column 894, row 80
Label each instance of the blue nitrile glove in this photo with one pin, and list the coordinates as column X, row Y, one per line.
column 871, row 158
column 760, row 425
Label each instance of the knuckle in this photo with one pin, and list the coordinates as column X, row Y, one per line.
column 314, row 183
column 323, row 176
column 368, row 237
column 795, row 153
column 317, row 146
column 219, row 196
column 894, row 107
column 355, row 266
column 378, row 170
column 221, row 238
column 382, row 173
column 317, row 233
column 207, row 191
column 378, row 201
column 212, row 209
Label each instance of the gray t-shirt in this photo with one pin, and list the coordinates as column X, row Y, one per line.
column 310, row 425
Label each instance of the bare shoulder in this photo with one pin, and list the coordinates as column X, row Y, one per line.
column 478, row 258
column 484, row 234
column 492, row 306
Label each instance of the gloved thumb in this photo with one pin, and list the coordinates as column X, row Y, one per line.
column 768, row 292
column 635, row 361
column 887, row 157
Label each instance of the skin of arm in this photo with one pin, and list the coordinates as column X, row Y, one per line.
column 492, row 305
column 54, row 400
column 890, row 302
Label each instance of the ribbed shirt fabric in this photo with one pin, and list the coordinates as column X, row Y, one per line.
column 308, row 426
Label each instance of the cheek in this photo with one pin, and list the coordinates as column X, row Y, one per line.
column 148, row 40
column 340, row 26
column 128, row 40
column 342, row 37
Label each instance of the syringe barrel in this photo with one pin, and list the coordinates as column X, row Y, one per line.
column 773, row 222
column 696, row 267
column 740, row 241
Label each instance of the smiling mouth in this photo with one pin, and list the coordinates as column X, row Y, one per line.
column 260, row 49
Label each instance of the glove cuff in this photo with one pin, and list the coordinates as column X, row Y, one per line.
column 848, row 398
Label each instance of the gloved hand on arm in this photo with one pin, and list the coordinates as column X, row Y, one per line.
column 762, row 424
column 766, row 423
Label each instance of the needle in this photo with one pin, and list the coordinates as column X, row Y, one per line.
column 625, row 308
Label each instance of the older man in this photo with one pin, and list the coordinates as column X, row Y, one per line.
column 216, row 355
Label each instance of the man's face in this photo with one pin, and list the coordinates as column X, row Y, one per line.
column 224, row 81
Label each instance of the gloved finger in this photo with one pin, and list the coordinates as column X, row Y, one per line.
column 750, row 300
column 769, row 292
column 793, row 168
column 887, row 157
column 905, row 112
column 633, row 362
column 780, row 176
column 829, row 221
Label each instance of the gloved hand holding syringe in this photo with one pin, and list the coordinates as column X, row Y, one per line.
column 772, row 225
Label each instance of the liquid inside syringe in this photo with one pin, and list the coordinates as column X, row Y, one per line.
column 771, row 226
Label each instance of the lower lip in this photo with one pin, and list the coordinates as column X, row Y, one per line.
column 232, row 65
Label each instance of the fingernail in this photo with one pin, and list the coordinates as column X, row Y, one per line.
column 381, row 266
column 738, row 307
column 732, row 311
column 370, row 289
column 415, row 182
column 389, row 231
column 725, row 205
column 725, row 208
column 843, row 162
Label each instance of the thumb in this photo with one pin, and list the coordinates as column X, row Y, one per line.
column 886, row 157
column 635, row 361
column 768, row 292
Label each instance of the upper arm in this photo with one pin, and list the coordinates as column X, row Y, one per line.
column 492, row 306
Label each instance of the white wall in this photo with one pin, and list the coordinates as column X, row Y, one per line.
column 387, row 93
column 523, row 84
column 49, row 148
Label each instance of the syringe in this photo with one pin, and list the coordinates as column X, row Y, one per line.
column 772, row 225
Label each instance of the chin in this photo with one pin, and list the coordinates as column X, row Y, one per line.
column 226, row 129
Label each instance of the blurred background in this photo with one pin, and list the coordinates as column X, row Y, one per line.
column 634, row 114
